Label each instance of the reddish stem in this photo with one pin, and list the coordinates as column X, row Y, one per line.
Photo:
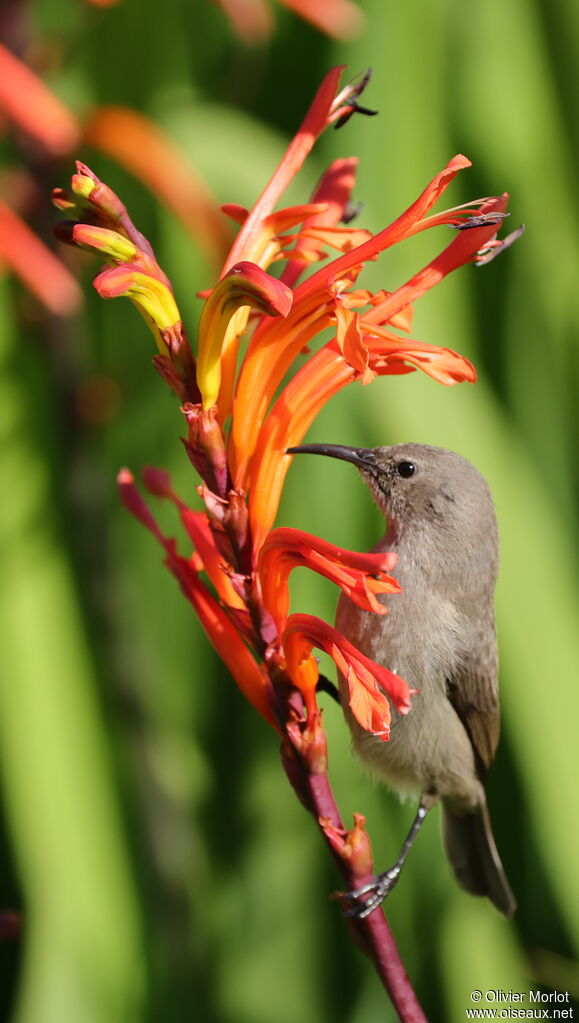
column 373, row 934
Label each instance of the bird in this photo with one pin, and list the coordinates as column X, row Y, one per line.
column 440, row 635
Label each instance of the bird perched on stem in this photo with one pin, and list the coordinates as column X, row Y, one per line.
column 439, row 634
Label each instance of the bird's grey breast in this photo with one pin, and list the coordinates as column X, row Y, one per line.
column 422, row 638
column 422, row 634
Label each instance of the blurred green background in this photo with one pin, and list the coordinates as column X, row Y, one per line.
column 164, row 867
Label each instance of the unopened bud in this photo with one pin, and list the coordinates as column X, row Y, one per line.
column 63, row 199
column 154, row 297
column 236, row 518
column 309, row 739
column 206, row 447
column 157, row 481
column 82, row 185
column 165, row 369
column 353, row 846
column 104, row 241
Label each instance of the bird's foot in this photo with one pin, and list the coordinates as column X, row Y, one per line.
column 365, row 900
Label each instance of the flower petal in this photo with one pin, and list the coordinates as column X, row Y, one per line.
column 442, row 364
column 361, row 576
column 34, row 108
column 334, row 191
column 395, row 232
column 301, row 145
column 314, row 384
column 150, row 294
column 158, row 482
column 103, row 241
column 460, row 251
column 271, row 352
column 246, row 284
column 351, row 342
column 36, row 265
column 369, row 684
column 249, row 676
column 198, row 528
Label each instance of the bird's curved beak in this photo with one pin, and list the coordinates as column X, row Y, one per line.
column 362, row 457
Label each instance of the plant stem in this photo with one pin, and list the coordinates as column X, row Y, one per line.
column 373, row 934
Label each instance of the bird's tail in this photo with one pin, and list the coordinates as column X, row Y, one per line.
column 471, row 849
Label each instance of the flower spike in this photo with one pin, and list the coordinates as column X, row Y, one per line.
column 250, row 677
column 36, row 266
column 241, row 419
column 305, row 334
column 314, row 123
column 104, row 226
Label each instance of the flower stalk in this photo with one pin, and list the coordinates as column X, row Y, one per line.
column 241, row 417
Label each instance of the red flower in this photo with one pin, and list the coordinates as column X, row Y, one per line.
column 30, row 104
column 340, row 19
column 368, row 683
column 39, row 269
column 361, row 576
column 249, row 676
column 242, row 418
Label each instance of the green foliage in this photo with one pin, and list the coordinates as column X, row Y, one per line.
column 165, row 869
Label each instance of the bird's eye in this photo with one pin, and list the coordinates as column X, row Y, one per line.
column 406, row 469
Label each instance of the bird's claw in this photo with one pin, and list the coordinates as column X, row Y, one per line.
column 377, row 890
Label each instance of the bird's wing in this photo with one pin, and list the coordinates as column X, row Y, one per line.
column 473, row 692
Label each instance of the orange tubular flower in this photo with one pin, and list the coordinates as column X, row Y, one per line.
column 246, row 284
column 252, row 21
column 314, row 308
column 242, row 418
column 250, row 240
column 340, row 19
column 198, row 527
column 36, row 265
column 248, row 675
column 368, row 683
column 31, row 105
column 361, row 576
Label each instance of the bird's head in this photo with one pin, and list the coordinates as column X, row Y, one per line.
column 435, row 495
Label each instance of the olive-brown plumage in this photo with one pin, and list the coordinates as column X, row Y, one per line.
column 439, row 635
